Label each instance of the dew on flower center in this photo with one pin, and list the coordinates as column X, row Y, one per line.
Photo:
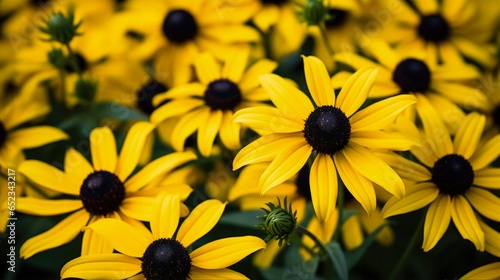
column 452, row 174
column 434, row 28
column 327, row 130
column 102, row 193
column 412, row 75
column 166, row 259
column 180, row 26
column 144, row 97
column 222, row 95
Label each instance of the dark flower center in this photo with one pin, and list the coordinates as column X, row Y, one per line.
column 80, row 62
column 145, row 96
column 222, row 95
column 496, row 116
column 102, row 193
column 3, row 134
column 276, row 2
column 166, row 259
column 327, row 130
column 179, row 26
column 412, row 75
column 434, row 28
column 302, row 182
column 337, row 18
column 452, row 174
column 39, row 2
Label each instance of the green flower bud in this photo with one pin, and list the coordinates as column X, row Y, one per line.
column 56, row 57
column 85, row 90
column 314, row 12
column 61, row 28
column 278, row 222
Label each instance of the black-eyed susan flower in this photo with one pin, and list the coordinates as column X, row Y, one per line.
column 13, row 139
column 165, row 252
column 177, row 31
column 453, row 179
column 331, row 130
column 105, row 188
column 450, row 30
column 208, row 106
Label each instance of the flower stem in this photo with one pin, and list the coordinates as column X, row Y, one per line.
column 73, row 59
column 304, row 231
column 324, row 35
column 409, row 248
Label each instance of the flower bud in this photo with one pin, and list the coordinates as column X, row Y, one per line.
column 278, row 222
column 314, row 12
column 85, row 90
column 61, row 28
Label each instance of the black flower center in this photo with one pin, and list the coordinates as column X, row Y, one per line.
column 179, row 26
column 166, row 259
column 145, row 96
column 102, row 193
column 302, row 182
column 39, row 2
column 327, row 130
column 3, row 134
column 412, row 75
column 222, row 95
column 496, row 116
column 276, row 2
column 81, row 63
column 452, row 174
column 434, row 28
column 337, row 18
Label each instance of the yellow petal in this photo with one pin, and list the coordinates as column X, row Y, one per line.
column 187, row 125
column 229, row 132
column 265, row 148
column 21, row 111
column 201, row 220
column 287, row 163
column 269, row 119
column 156, row 168
column 215, row 274
column 228, row 34
column 381, row 114
column 180, row 92
column 485, row 154
column 76, row 166
column 484, row 202
column 427, row 7
column 360, row 187
column 264, row 258
column 462, row 94
column 137, row 207
column 324, row 186
column 48, row 177
column 492, row 239
column 287, row 98
column 374, row 169
column 468, row 134
column 47, row 207
column 318, row 81
column 355, row 91
column 175, row 107
column 62, row 233
column 405, row 168
column 207, row 68
column 489, row 271
column 225, row 252
column 466, row 222
column 32, row 137
column 437, row 221
column 417, row 197
column 165, row 216
column 132, row 148
column 122, row 237
column 488, row 178
column 352, row 234
column 235, row 65
column 382, row 140
column 93, row 243
column 102, row 266
column 250, row 78
column 208, row 131
column 103, row 149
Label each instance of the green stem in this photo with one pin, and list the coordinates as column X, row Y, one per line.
column 73, row 59
column 409, row 248
column 318, row 242
column 324, row 35
column 62, row 76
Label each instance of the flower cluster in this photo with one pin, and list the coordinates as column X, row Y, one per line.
column 146, row 138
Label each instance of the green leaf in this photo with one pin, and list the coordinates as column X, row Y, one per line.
column 354, row 256
column 337, row 260
column 116, row 111
column 247, row 219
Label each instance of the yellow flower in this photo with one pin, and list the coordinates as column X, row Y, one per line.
column 449, row 29
column 454, row 175
column 162, row 254
column 333, row 131
column 207, row 106
column 177, row 31
column 104, row 189
column 13, row 140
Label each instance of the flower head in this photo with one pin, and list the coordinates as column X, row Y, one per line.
column 279, row 222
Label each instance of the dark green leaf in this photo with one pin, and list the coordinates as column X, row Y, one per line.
column 354, row 256
column 337, row 260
